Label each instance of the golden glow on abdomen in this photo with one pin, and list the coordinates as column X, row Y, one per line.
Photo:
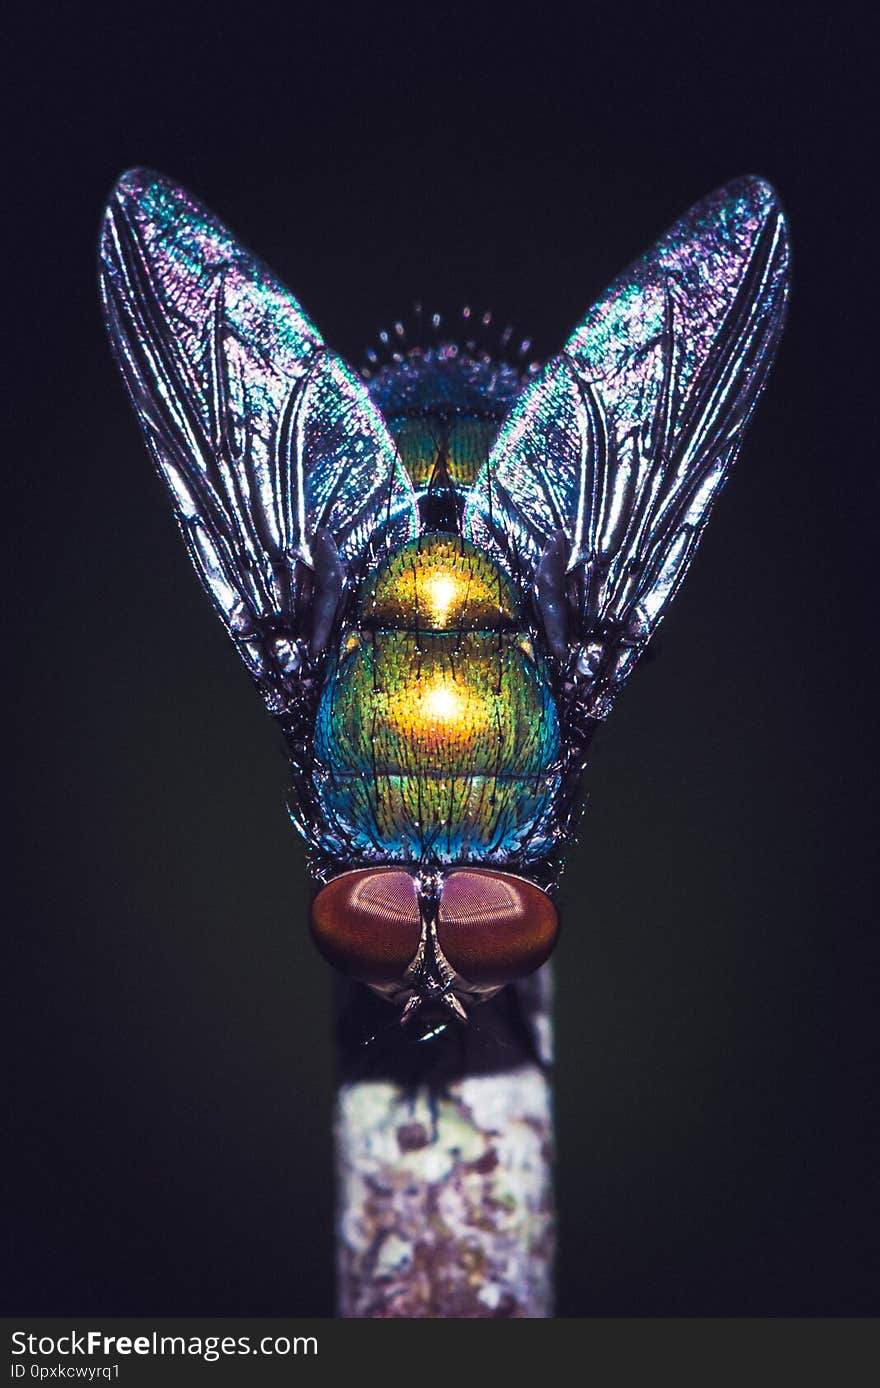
column 439, row 583
column 438, row 724
column 442, row 711
column 440, row 704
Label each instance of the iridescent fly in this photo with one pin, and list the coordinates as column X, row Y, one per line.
column 440, row 577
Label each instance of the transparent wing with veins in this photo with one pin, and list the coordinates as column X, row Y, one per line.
column 278, row 464
column 604, row 473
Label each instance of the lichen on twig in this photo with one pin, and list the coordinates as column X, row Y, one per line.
column 444, row 1168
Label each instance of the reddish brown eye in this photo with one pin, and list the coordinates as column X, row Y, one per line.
column 366, row 923
column 494, row 927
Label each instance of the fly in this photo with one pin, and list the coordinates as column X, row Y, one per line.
column 440, row 575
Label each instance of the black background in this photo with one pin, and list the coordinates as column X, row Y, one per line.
column 170, row 1042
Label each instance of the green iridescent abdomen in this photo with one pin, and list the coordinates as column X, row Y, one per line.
column 437, row 732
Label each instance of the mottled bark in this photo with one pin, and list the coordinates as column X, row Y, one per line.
column 444, row 1155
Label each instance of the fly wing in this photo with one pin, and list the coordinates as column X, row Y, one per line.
column 605, row 470
column 276, row 460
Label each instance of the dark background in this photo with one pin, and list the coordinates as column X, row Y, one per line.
column 170, row 1023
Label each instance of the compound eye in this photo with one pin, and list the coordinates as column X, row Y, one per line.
column 366, row 923
column 494, row 927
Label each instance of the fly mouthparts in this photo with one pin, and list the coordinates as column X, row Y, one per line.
column 425, row 1007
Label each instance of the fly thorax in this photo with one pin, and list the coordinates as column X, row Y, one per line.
column 436, row 732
